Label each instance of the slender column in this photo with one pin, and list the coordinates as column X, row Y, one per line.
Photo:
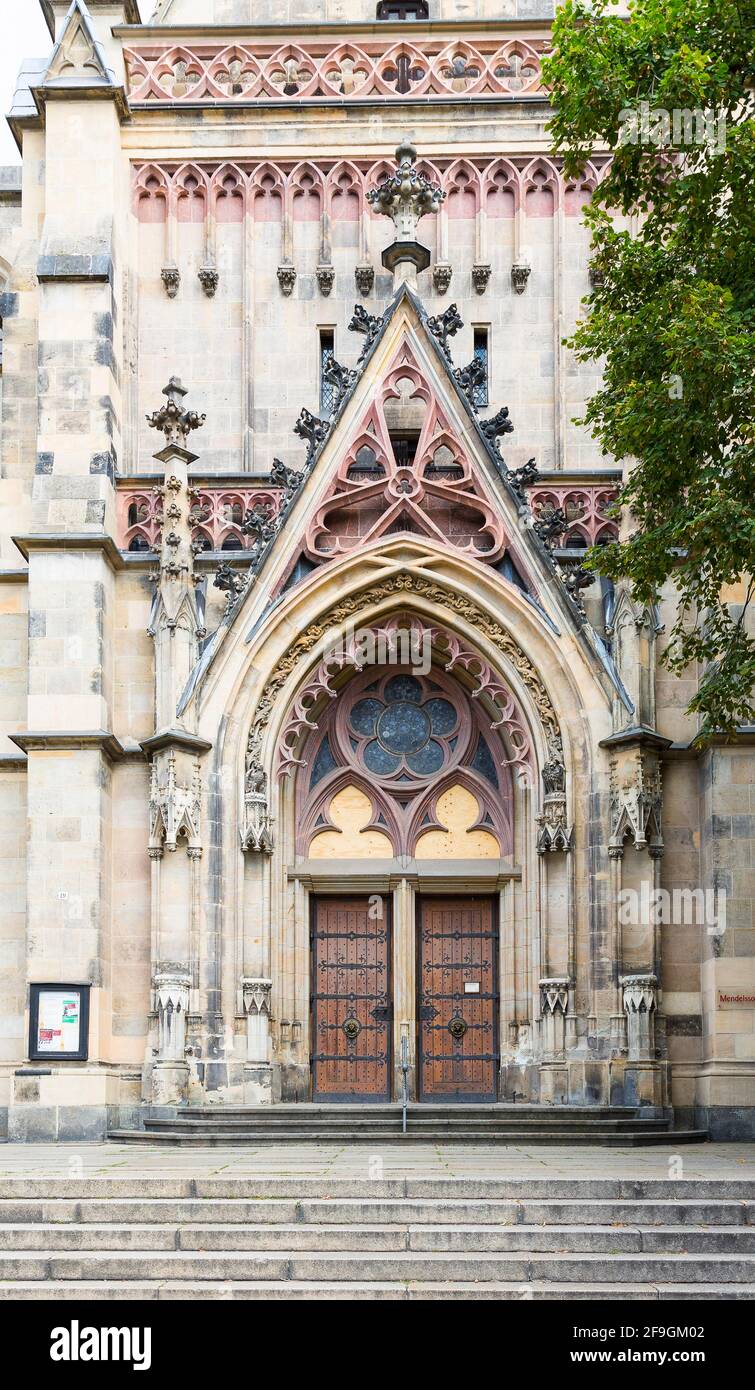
column 656, row 855
column 170, row 273
column 247, row 337
column 155, row 855
column 615, row 857
column 559, row 402
column 194, row 854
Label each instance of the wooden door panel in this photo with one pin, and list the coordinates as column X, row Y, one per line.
column 458, row 1029
column 351, row 1000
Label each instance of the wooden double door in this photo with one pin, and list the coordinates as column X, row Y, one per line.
column 352, row 999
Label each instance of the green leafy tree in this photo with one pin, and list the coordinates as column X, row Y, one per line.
column 672, row 316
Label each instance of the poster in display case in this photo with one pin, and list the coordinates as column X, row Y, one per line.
column 59, row 1022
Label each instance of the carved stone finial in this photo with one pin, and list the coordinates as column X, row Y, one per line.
column 550, row 524
column 340, row 378
column 368, row 324
column 446, row 325
column 497, row 425
column 289, row 480
column 470, row 377
column 524, row 477
column 175, row 422
column 311, row 429
column 262, row 523
column 405, row 196
column 230, row 582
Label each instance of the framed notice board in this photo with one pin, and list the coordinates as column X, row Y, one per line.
column 59, row 1023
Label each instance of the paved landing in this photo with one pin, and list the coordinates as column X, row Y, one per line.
column 379, row 1160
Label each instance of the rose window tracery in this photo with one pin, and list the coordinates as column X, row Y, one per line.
column 404, row 728
column 403, row 761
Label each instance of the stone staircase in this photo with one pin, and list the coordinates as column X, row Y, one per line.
column 463, row 1124
column 409, row 1238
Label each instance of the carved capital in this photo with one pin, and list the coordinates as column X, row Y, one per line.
column 442, row 276
column 595, row 275
column 481, row 278
column 257, row 829
column 171, row 1005
column 639, row 992
column 554, row 994
column 640, row 998
column 326, row 276
column 209, row 279
column 171, row 278
column 256, row 992
column 365, row 278
column 520, row 274
column 286, row 279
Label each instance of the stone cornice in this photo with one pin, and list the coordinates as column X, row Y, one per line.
column 70, row 540
column 94, row 93
column 78, row 739
column 636, row 737
column 174, row 738
column 13, row 762
column 743, row 738
column 398, row 31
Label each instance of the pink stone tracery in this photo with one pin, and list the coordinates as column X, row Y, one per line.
column 497, row 187
column 221, row 510
column 586, row 509
column 317, row 70
column 375, row 492
column 217, row 515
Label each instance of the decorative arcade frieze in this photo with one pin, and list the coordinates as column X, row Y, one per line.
column 264, row 72
column 278, row 190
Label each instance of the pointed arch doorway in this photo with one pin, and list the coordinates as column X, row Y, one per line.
column 352, row 1001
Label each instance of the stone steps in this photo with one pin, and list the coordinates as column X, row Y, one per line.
column 338, row 1211
column 360, row 1190
column 500, row 1123
column 395, row 1238
column 418, row 1266
column 614, row 1138
column 319, row 1291
column 333, row 1238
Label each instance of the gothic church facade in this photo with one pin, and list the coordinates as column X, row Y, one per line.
column 324, row 761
